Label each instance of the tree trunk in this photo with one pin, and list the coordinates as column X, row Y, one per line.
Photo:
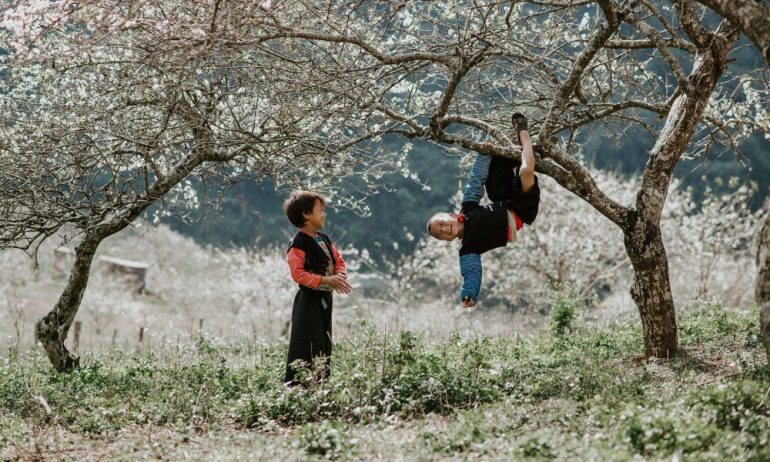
column 762, row 289
column 652, row 290
column 51, row 331
column 642, row 236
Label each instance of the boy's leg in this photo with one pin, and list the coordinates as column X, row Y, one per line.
column 527, row 171
column 499, row 183
column 525, row 198
column 306, row 340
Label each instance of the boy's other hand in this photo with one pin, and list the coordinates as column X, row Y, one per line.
column 338, row 282
column 469, row 302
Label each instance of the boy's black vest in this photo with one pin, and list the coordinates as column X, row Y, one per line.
column 485, row 227
column 316, row 260
column 499, row 183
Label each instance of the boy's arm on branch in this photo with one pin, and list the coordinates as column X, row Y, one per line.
column 296, row 259
column 474, row 189
column 470, row 269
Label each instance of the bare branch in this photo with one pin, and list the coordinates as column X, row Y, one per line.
column 672, row 62
column 567, row 87
column 692, row 25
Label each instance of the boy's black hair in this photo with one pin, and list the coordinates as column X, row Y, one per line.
column 300, row 203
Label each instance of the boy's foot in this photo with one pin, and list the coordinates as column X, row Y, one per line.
column 519, row 122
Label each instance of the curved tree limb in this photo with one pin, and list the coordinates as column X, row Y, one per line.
column 753, row 17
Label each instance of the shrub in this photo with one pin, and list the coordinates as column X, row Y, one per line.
column 740, row 406
column 536, row 446
column 328, row 439
column 663, row 430
column 563, row 307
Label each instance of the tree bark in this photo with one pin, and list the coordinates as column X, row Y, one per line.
column 753, row 17
column 51, row 331
column 762, row 288
column 642, row 235
column 651, row 290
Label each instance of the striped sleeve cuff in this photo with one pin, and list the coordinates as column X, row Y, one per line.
column 470, row 268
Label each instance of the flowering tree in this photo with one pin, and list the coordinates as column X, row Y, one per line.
column 108, row 108
column 452, row 72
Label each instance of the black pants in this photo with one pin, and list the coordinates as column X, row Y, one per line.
column 524, row 204
column 311, row 332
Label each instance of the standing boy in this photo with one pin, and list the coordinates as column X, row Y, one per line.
column 515, row 194
column 319, row 269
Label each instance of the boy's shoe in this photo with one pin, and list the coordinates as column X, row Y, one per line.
column 519, row 121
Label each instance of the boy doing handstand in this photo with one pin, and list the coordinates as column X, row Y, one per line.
column 515, row 194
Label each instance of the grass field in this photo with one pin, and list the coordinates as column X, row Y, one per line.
column 584, row 395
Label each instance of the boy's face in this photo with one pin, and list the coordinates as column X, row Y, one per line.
column 445, row 227
column 317, row 217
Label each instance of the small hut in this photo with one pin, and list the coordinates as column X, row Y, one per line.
column 137, row 269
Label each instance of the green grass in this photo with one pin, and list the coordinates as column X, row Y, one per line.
column 584, row 394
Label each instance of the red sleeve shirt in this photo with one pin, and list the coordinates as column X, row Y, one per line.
column 297, row 267
column 296, row 259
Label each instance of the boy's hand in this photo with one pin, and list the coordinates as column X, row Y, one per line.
column 469, row 302
column 338, row 282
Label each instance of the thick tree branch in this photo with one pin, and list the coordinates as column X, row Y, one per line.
column 753, row 18
column 684, row 115
column 288, row 32
column 672, row 42
column 701, row 36
column 480, row 124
